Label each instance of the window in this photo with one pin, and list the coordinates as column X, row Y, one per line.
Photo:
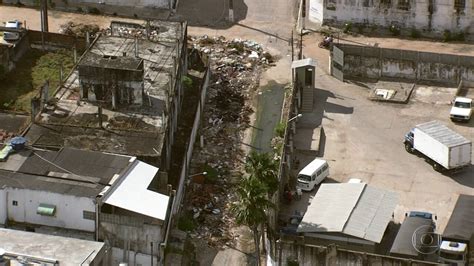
column 459, row 5
column 404, row 4
column 15, row 203
column 325, row 167
column 87, row 215
column 320, row 171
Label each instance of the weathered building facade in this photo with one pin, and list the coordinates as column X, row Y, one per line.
column 431, row 15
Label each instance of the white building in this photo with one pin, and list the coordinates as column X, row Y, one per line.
column 84, row 194
column 453, row 15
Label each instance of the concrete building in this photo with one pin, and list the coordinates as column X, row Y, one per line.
column 453, row 15
column 85, row 194
column 350, row 215
column 26, row 248
column 124, row 96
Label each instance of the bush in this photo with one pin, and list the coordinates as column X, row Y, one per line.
column 79, row 9
column 187, row 82
column 360, row 28
column 395, row 30
column 211, row 176
column 347, row 27
column 447, row 36
column 292, row 262
column 186, row 223
column 94, row 11
column 414, row 33
column 280, row 129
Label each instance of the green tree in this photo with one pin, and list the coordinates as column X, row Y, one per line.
column 263, row 167
column 250, row 208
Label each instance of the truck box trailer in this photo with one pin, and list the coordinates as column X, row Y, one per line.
column 445, row 149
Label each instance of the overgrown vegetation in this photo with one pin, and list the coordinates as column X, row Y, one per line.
column 187, row 82
column 414, row 33
column 280, row 129
column 211, row 176
column 395, row 30
column 186, row 223
column 20, row 85
column 449, row 36
column 347, row 27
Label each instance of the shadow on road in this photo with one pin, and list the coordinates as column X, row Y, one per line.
column 464, row 177
column 211, row 13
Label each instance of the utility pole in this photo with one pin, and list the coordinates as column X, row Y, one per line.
column 231, row 11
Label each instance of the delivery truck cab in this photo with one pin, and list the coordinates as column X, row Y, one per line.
column 312, row 174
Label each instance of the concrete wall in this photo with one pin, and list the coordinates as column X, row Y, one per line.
column 331, row 255
column 130, row 3
column 372, row 62
column 130, row 232
column 69, row 209
column 415, row 14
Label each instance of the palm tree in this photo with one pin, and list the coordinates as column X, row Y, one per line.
column 250, row 209
column 263, row 167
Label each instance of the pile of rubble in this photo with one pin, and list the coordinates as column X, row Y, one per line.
column 236, row 66
column 79, row 29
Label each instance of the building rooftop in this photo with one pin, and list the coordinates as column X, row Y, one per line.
column 461, row 222
column 11, row 125
column 47, row 249
column 354, row 209
column 136, row 129
column 68, row 171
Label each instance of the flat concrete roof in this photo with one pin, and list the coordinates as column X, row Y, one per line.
column 144, row 125
column 39, row 247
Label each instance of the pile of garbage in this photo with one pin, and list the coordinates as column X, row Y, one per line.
column 79, row 29
column 236, row 66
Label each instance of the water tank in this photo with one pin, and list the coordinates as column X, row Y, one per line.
column 18, row 143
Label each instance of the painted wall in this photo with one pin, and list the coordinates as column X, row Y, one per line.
column 419, row 14
column 69, row 209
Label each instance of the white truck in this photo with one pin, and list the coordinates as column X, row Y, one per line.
column 458, row 237
column 444, row 148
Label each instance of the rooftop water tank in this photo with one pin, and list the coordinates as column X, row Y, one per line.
column 18, row 143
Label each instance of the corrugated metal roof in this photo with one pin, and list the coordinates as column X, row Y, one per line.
column 331, row 207
column 442, row 133
column 371, row 215
column 132, row 193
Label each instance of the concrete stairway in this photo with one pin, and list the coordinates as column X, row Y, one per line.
column 307, row 100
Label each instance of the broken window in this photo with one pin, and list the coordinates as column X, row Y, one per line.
column 404, row 4
column 459, row 5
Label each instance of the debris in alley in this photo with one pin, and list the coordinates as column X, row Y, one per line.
column 236, row 66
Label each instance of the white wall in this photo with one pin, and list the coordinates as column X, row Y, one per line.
column 316, row 11
column 444, row 15
column 69, row 209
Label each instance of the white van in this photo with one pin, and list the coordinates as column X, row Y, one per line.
column 312, row 174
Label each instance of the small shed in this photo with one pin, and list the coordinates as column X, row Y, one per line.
column 304, row 72
column 352, row 215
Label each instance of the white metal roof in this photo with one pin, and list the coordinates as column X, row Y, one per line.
column 330, row 208
column 311, row 167
column 351, row 208
column 303, row 62
column 371, row 215
column 442, row 133
column 132, row 192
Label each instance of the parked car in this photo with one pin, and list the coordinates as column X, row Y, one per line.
column 12, row 36
column 461, row 110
